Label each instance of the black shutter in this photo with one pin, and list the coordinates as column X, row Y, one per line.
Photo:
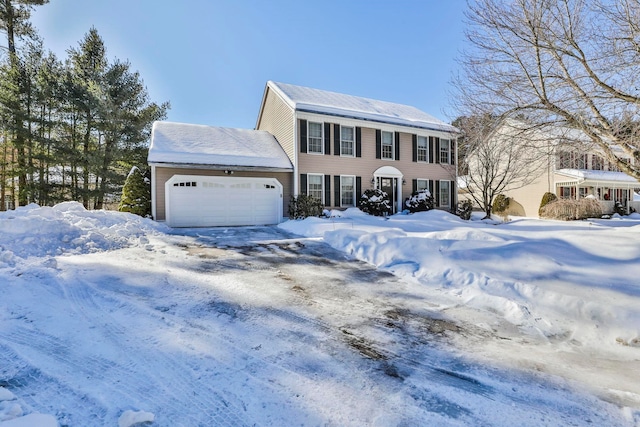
column 415, row 185
column 452, row 199
column 415, row 148
column 358, row 142
column 432, row 154
column 303, row 136
column 327, row 190
column 358, row 189
column 303, row 183
column 327, row 138
column 397, row 150
column 336, row 190
column 336, row 140
column 437, row 195
column 431, row 184
column 378, row 144
column 453, row 152
column 437, row 144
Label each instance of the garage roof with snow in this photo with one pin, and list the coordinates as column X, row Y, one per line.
column 181, row 143
column 311, row 100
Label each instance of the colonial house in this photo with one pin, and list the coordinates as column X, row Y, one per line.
column 570, row 166
column 307, row 141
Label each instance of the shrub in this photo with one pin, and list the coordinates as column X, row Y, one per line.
column 464, row 210
column 375, row 202
column 567, row 210
column 619, row 208
column 500, row 204
column 136, row 194
column 420, row 201
column 304, row 206
column 546, row 199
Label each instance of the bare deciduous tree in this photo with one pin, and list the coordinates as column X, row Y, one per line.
column 573, row 63
column 502, row 155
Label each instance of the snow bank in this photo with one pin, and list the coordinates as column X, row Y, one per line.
column 576, row 280
column 67, row 228
column 130, row 418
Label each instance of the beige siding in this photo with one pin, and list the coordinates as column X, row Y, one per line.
column 277, row 118
column 366, row 165
column 164, row 174
column 530, row 196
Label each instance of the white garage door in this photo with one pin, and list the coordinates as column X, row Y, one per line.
column 208, row 201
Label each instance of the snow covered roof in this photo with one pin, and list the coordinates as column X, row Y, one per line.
column 181, row 143
column 609, row 177
column 311, row 100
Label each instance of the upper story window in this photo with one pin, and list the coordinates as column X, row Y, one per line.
column 347, row 141
column 597, row 163
column 423, row 149
column 571, row 160
column 445, row 151
column 315, row 186
column 315, row 138
column 387, row 145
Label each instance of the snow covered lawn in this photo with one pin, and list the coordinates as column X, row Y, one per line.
column 110, row 319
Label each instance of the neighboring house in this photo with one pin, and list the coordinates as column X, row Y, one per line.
column 571, row 167
column 341, row 145
column 307, row 141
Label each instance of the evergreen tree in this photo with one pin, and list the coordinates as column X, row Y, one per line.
column 136, row 194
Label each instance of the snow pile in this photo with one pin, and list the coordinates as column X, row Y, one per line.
column 67, row 228
column 11, row 414
column 130, row 418
column 548, row 278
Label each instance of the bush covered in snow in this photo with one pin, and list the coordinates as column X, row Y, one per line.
column 420, row 201
column 304, row 206
column 375, row 202
column 567, row 210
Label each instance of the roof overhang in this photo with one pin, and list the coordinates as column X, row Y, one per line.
column 219, row 167
column 610, row 180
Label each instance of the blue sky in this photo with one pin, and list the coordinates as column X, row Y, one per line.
column 212, row 58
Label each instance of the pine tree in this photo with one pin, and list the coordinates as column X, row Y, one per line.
column 136, row 194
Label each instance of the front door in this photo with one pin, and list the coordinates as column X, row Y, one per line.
column 388, row 186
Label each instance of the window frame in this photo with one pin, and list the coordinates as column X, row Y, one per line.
column 446, row 151
column 426, row 186
column 352, row 141
column 309, row 176
column 353, row 190
column 383, row 145
column 321, row 138
column 422, row 150
column 447, row 194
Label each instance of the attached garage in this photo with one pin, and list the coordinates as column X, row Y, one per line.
column 206, row 176
column 204, row 201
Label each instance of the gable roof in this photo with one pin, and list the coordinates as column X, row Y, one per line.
column 181, row 143
column 311, row 100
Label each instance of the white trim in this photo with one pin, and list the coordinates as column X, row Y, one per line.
column 393, row 146
column 296, row 151
column 321, row 138
column 354, row 191
column 154, row 194
column 353, row 141
column 426, row 138
column 322, row 190
column 440, row 205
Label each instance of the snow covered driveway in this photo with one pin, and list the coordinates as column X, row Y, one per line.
column 248, row 326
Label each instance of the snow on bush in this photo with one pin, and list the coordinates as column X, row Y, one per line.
column 420, row 201
column 375, row 202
